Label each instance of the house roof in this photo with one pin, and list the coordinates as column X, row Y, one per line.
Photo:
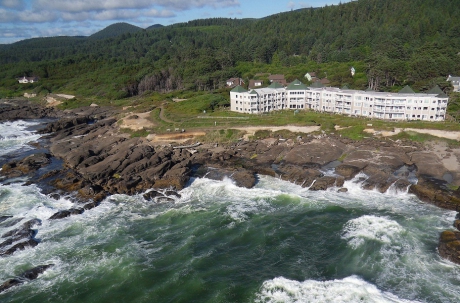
column 253, row 92
column 450, row 78
column 313, row 74
column 252, row 83
column 275, row 85
column 369, row 90
column 238, row 89
column 276, row 77
column 406, row 90
column 296, row 85
column 325, row 81
column 317, row 84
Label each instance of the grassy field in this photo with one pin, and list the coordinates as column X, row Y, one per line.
column 210, row 112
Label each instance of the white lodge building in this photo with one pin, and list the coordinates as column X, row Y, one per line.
column 404, row 105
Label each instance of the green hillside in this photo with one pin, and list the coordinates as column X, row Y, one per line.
column 115, row 30
column 391, row 43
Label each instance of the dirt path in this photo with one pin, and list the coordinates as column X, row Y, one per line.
column 137, row 121
column 453, row 135
column 162, row 116
column 251, row 130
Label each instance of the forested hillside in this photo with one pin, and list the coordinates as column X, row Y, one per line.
column 391, row 43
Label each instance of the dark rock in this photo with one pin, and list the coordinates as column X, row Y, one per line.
column 55, row 196
column 347, row 171
column 28, row 275
column 342, row 190
column 90, row 205
column 244, row 178
column 449, row 245
column 10, row 283
column 434, row 191
column 3, row 218
column 33, row 273
column 20, row 246
column 457, row 224
column 60, row 214
column 151, row 195
column 76, row 211
column 323, row 183
column 172, row 193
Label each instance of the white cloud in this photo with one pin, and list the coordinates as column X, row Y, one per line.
column 37, row 17
column 13, row 4
column 160, row 14
column 6, row 16
column 91, row 5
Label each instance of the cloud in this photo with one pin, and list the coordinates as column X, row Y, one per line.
column 101, row 5
column 160, row 14
column 13, row 4
column 37, row 17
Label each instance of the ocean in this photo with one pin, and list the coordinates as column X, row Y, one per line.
column 276, row 242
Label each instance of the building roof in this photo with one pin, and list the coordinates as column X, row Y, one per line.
column 275, row 85
column 453, row 78
column 435, row 90
column 253, row 92
column 369, row 90
column 296, row 85
column 238, row 89
column 406, row 90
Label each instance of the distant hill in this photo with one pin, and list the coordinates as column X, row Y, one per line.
column 114, row 30
column 155, row 26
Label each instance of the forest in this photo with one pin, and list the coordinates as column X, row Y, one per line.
column 391, row 43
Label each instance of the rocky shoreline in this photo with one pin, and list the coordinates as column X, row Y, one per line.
column 98, row 160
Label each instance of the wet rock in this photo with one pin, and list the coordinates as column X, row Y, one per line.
column 20, row 246
column 449, row 245
column 347, row 171
column 434, row 191
column 244, row 178
column 28, row 275
column 25, row 166
column 10, row 283
column 33, row 273
column 3, row 218
column 172, row 193
column 152, row 195
column 342, row 190
column 90, row 205
column 55, row 196
column 60, row 214
column 323, row 183
column 457, row 224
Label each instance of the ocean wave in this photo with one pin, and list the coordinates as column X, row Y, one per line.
column 348, row 290
column 369, row 227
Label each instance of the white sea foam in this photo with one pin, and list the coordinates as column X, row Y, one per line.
column 14, row 135
column 369, row 227
column 348, row 290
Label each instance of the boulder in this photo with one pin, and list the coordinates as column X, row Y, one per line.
column 323, row 183
column 347, row 171
column 449, row 245
column 244, row 178
column 20, row 246
column 28, row 275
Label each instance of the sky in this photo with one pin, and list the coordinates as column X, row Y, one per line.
column 24, row 19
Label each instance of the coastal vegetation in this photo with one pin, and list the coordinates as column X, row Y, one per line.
column 390, row 43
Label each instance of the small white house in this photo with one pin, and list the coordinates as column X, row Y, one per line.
column 27, row 79
column 455, row 81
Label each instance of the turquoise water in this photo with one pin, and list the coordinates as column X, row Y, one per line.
column 277, row 242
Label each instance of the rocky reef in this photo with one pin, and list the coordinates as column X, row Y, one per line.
column 98, row 161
